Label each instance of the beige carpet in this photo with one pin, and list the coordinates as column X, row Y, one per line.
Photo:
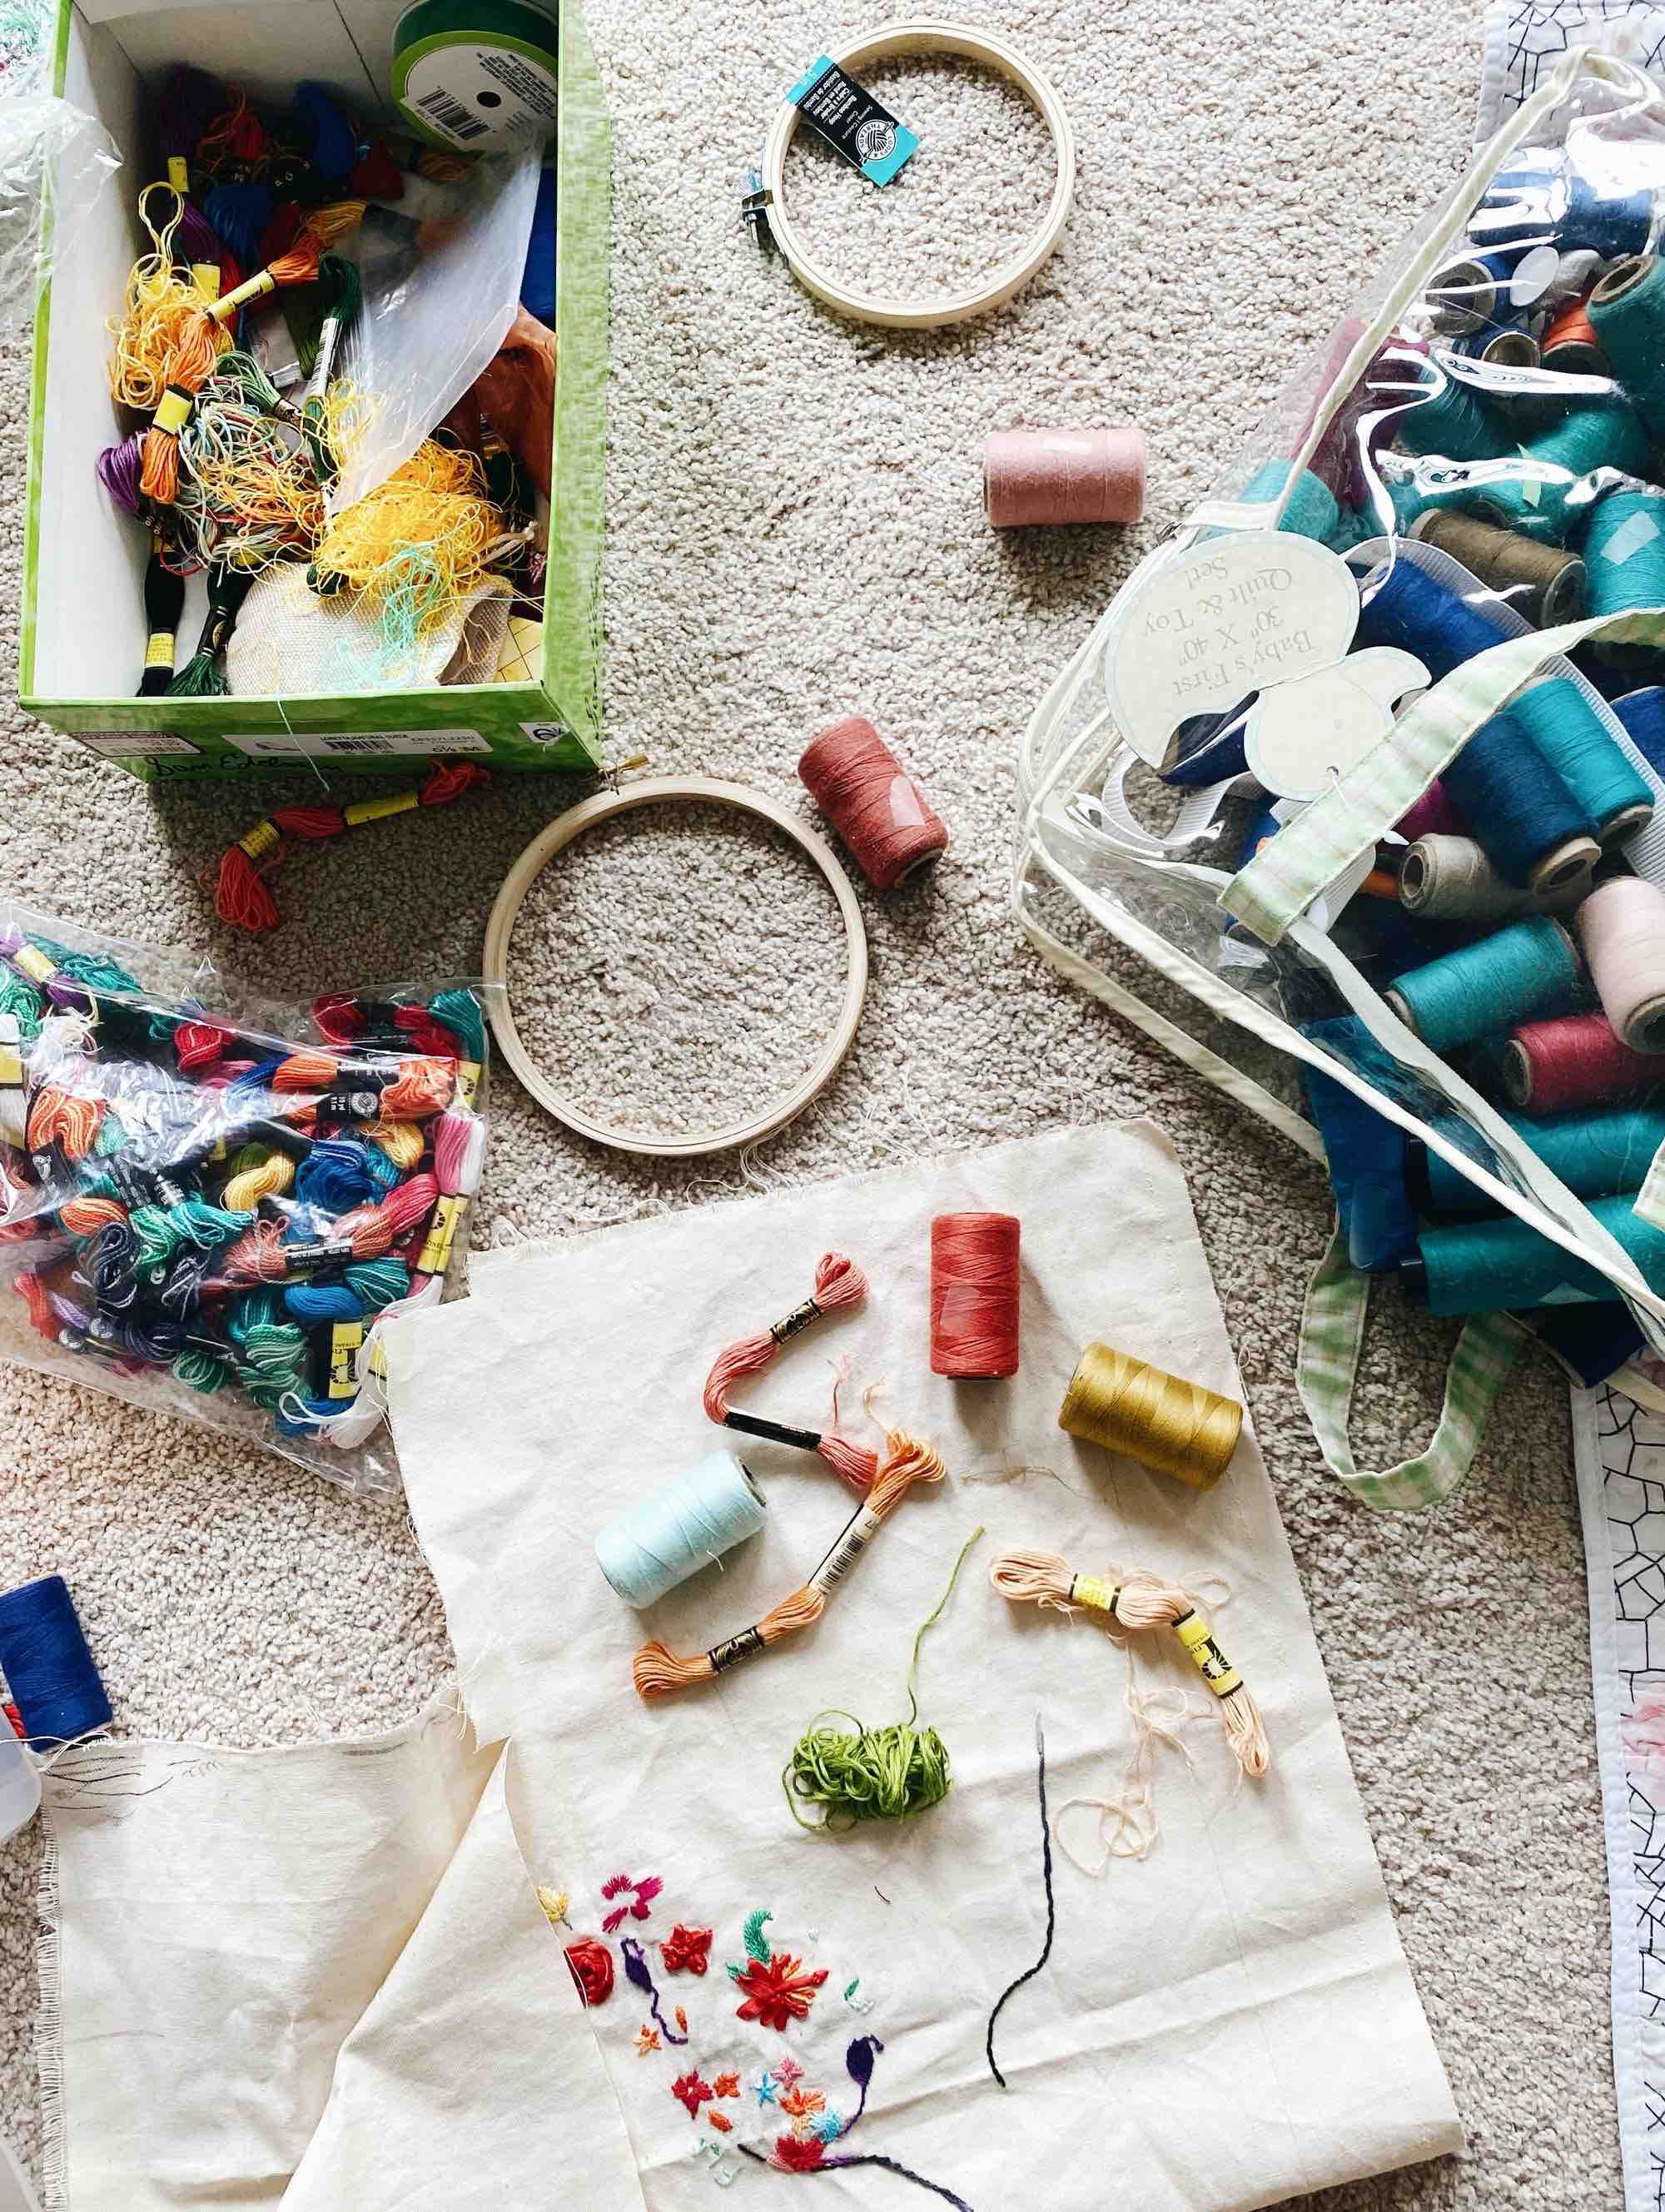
column 795, row 533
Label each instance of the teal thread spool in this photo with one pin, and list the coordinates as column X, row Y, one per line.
column 1548, row 499
column 1628, row 313
column 1571, row 736
column 1493, row 1267
column 1624, row 562
column 1595, row 1155
column 1313, row 511
column 1457, row 423
column 1517, row 973
column 663, row 1538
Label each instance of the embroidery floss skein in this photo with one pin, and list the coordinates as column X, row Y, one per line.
column 1040, row 476
column 658, row 1672
column 1621, row 927
column 877, row 810
column 974, row 1296
column 838, row 1282
column 1174, row 1427
column 877, row 1774
column 1580, row 1060
column 1529, row 969
column 663, row 1538
column 48, row 1668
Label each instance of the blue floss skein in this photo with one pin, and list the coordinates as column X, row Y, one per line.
column 1503, row 1266
column 335, row 141
column 1569, row 733
column 1624, row 562
column 382, row 1171
column 48, row 1668
column 335, row 1176
column 1519, row 973
column 308, row 1303
column 658, row 1542
column 1642, row 714
column 458, row 1011
column 537, row 282
column 1627, row 312
column 240, row 214
column 1595, row 1155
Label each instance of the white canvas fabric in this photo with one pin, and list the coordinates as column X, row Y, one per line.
column 1228, row 2022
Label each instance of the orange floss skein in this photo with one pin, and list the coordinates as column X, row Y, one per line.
column 838, row 1282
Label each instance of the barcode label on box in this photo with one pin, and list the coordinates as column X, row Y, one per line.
column 450, row 115
column 137, row 744
column 355, row 744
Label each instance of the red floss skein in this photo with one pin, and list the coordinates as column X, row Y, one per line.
column 1579, row 1060
column 838, row 1282
column 875, row 805
column 1038, row 476
column 974, row 1296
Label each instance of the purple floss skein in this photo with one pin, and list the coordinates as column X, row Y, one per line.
column 119, row 471
column 195, row 238
column 48, row 1668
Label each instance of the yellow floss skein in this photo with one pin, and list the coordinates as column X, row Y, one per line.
column 402, row 1141
column 256, row 1174
column 432, row 505
column 159, row 304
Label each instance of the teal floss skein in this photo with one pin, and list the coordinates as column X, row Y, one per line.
column 660, row 1541
column 1517, row 973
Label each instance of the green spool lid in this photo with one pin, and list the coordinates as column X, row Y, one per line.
column 469, row 75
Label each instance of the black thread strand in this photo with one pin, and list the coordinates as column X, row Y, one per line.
column 872, row 2157
column 1030, row 1972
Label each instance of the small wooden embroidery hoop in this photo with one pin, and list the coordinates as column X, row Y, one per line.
column 555, row 838
column 926, row 36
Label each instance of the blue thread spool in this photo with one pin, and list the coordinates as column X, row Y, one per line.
column 658, row 1542
column 1211, row 750
column 1573, row 737
column 1464, row 295
column 1595, row 1155
column 1593, row 1341
column 537, row 279
column 1491, row 1267
column 1548, row 498
column 48, row 1668
column 1516, row 974
column 1366, row 1154
column 1642, row 714
column 1524, row 204
column 1628, row 313
column 1624, row 562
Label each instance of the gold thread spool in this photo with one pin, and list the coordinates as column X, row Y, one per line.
column 1126, row 1406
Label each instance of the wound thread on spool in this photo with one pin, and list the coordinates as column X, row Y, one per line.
column 1595, row 1155
column 1625, row 558
column 1571, row 735
column 1036, row 477
column 1461, row 297
column 1451, row 879
column 1642, row 714
column 1544, row 584
column 1488, row 1266
column 1434, row 815
column 882, row 816
column 1569, row 345
column 48, row 1668
column 975, row 1295
column 1531, row 968
column 1455, row 422
column 698, row 1516
column 1174, row 1427
column 1621, row 927
column 1628, row 313
column 1581, row 1060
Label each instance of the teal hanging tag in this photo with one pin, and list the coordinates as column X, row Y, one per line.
column 852, row 123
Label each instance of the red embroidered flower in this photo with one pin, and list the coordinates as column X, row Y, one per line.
column 689, row 2090
column 778, row 1992
column 592, row 1967
column 803, row 2104
column 726, row 2085
column 799, row 2155
column 720, row 2121
column 686, row 1950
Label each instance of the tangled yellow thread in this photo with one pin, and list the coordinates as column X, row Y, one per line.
column 158, row 304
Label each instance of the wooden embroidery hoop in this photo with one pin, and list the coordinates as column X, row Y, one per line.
column 657, row 791
column 926, row 36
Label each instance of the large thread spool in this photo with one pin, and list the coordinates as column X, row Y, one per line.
column 1642, row 714
column 48, row 1668
column 1445, row 879
column 1580, row 1060
column 1529, row 969
column 975, row 1295
column 1549, row 495
column 1569, row 345
column 1035, row 477
column 1544, row 584
column 1174, row 1427
column 1571, row 735
column 1312, row 510
column 1627, row 312
column 879, row 810
column 1625, row 558
column 662, row 1540
column 1491, row 1267
column 1595, row 1155
column 1621, row 927
column 1460, row 297
column 1455, row 422
column 1434, row 815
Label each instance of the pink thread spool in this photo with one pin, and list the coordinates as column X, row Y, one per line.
column 1576, row 1059
column 1432, row 816
column 1621, row 927
column 875, row 805
column 1037, row 477
column 974, row 1296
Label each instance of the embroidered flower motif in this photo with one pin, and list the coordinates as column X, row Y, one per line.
column 556, row 1903
column 646, row 2040
column 800, row 2104
column 726, row 2085
column 639, row 1972
column 689, row 2090
column 686, row 1950
column 722, row 2121
column 682, row 2020
column 786, row 2071
column 778, row 1992
column 763, row 2089
column 800, row 2155
column 591, row 1964
column 641, row 1895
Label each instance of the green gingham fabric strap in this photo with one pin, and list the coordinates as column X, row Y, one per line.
column 1291, row 869
column 1327, row 1373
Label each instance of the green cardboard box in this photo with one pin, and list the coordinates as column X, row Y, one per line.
column 83, row 629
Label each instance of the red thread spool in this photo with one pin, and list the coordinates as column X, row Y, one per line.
column 974, row 1296
column 1579, row 1060
column 1036, row 476
column 875, row 805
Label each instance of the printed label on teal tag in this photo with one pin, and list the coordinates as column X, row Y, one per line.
column 852, row 122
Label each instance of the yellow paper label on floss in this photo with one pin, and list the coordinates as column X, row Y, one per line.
column 11, row 1068
column 174, row 412
column 346, row 1340
column 1092, row 1589
column 178, row 172
column 205, row 274
column 377, row 810
column 34, row 963
column 259, row 840
column 159, row 651
column 441, row 1234
column 468, row 1080
column 1211, row 1663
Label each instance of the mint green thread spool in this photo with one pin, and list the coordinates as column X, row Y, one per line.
column 1518, row 973
column 1628, row 313
column 1313, row 510
column 685, row 1524
column 1492, row 1266
column 1595, row 1155
column 1569, row 733
column 1625, row 563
